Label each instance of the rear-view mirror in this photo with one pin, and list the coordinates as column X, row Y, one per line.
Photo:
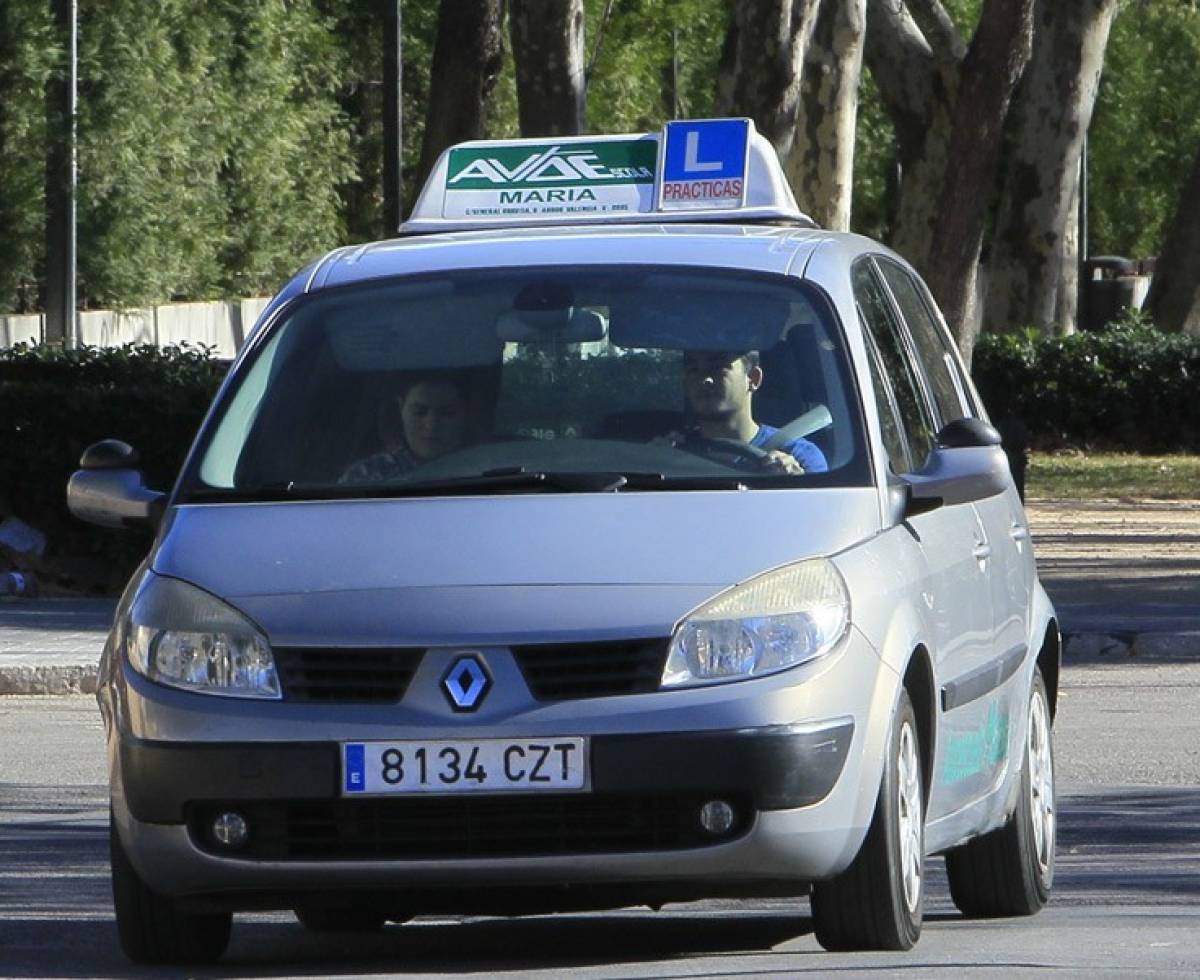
column 552, row 326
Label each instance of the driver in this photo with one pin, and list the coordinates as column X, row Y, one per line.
column 720, row 386
column 429, row 419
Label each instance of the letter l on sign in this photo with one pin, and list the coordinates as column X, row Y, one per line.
column 692, row 162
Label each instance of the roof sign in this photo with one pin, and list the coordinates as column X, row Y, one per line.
column 557, row 179
column 694, row 170
column 704, row 164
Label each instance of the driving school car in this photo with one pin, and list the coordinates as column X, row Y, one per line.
column 613, row 536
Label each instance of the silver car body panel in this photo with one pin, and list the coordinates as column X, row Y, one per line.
column 328, row 572
column 801, row 844
column 542, row 539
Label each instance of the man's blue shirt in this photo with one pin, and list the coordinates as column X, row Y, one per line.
column 804, row 452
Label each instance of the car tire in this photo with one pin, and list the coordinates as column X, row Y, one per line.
column 1010, row 870
column 339, row 918
column 877, row 903
column 151, row 927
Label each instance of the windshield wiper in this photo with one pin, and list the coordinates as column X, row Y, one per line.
column 514, row 479
column 612, row 482
column 517, row 478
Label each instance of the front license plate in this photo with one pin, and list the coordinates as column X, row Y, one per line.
column 475, row 765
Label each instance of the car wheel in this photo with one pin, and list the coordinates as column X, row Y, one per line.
column 1010, row 871
column 877, row 902
column 151, row 927
column 339, row 918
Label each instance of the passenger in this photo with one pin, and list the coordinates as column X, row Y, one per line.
column 720, row 387
column 427, row 421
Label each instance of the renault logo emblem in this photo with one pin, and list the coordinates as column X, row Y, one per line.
column 466, row 683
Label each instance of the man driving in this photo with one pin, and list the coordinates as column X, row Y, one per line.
column 720, row 387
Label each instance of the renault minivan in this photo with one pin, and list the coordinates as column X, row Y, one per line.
column 613, row 536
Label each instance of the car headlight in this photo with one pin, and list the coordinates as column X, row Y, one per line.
column 182, row 636
column 784, row 618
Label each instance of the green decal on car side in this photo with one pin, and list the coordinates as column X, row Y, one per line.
column 977, row 751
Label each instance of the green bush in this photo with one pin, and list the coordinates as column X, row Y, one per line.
column 55, row 403
column 1129, row 387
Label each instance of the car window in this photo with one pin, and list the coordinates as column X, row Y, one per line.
column 880, row 323
column 932, row 346
column 507, row 374
column 892, row 429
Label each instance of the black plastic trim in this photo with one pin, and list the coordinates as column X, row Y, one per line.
column 971, row 686
column 777, row 768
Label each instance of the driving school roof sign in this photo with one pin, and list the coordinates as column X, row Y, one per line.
column 694, row 170
column 605, row 175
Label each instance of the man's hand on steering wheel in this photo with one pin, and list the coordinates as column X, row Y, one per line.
column 738, row 453
column 782, row 462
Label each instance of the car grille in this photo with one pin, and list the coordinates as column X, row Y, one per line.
column 554, row 672
column 346, row 675
column 531, row 825
column 559, row 672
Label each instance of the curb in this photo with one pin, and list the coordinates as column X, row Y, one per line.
column 1112, row 647
column 48, row 679
column 1078, row 648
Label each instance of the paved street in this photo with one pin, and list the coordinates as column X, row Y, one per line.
column 1127, row 898
column 1121, row 567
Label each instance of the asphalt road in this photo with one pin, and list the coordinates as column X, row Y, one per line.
column 1127, row 897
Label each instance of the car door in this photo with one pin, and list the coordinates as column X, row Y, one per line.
column 1006, row 556
column 954, row 591
column 1003, row 516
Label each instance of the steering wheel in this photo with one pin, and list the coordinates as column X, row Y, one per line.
column 731, row 451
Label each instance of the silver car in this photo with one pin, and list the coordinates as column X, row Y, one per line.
column 611, row 537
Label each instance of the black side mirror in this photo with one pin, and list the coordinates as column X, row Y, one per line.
column 967, row 434
column 966, row 464
column 110, row 454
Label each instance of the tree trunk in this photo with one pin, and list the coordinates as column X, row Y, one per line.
column 762, row 64
column 998, row 54
column 917, row 85
column 1174, row 299
column 1052, row 112
column 821, row 165
column 467, row 57
column 1066, row 311
column 547, row 41
column 948, row 102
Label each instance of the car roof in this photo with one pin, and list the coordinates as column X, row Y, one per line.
column 761, row 248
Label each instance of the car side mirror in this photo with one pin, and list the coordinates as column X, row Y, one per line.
column 965, row 464
column 967, row 433
column 110, row 491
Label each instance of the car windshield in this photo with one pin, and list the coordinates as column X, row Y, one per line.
column 576, row 380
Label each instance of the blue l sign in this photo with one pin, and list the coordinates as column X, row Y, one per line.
column 704, row 164
column 706, row 149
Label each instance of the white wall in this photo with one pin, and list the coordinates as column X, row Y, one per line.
column 221, row 325
column 23, row 329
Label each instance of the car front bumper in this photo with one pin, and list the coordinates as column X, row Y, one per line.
column 802, row 794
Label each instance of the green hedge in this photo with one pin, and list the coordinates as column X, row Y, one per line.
column 53, row 404
column 1128, row 388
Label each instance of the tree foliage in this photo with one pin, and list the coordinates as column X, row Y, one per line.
column 631, row 61
column 222, row 144
column 28, row 53
column 211, row 146
column 1146, row 130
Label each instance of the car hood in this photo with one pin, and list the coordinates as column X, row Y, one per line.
column 499, row 568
